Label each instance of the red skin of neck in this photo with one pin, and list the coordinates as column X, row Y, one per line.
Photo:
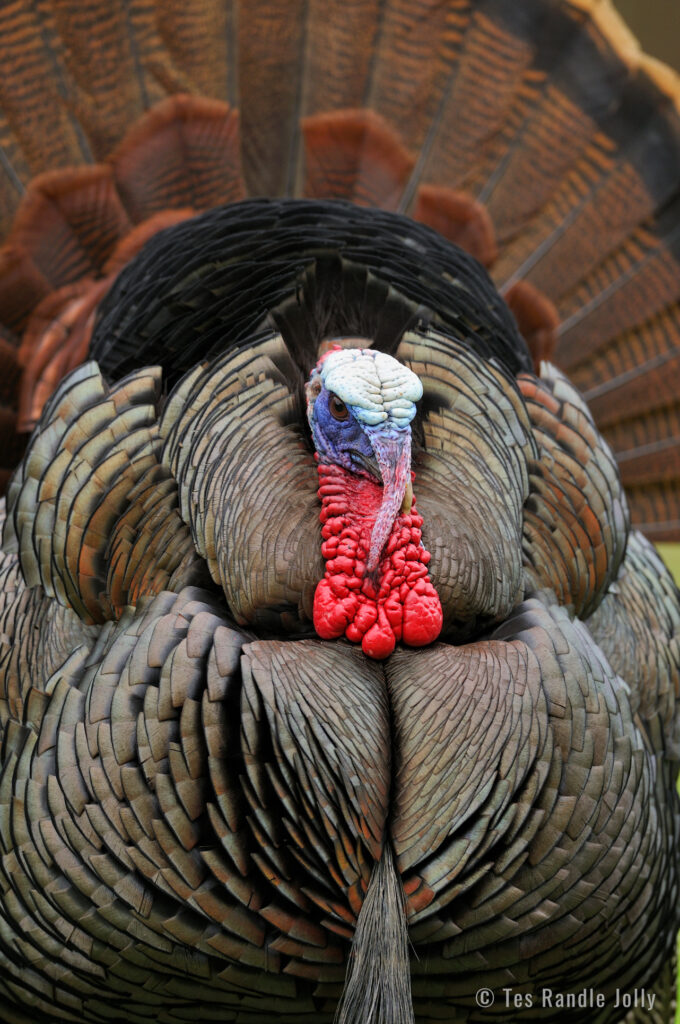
column 400, row 603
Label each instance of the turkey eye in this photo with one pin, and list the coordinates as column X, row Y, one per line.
column 339, row 410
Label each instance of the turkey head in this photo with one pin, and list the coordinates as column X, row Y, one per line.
column 360, row 404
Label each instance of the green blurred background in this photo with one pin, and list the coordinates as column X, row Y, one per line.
column 671, row 556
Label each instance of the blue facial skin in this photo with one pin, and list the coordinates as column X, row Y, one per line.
column 342, row 441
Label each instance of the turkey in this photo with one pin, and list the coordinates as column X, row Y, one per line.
column 339, row 676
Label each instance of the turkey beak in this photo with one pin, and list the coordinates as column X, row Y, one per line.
column 393, row 454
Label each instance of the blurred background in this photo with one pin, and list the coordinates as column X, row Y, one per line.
column 656, row 23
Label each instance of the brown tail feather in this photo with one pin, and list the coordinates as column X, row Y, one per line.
column 40, row 131
column 271, row 43
column 473, row 125
column 628, row 289
column 185, row 152
column 460, row 218
column 95, row 56
column 353, row 155
column 69, row 222
column 341, row 42
column 184, row 46
column 654, row 508
column 416, row 52
column 22, row 287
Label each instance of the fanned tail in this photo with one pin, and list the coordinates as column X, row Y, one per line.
column 534, row 134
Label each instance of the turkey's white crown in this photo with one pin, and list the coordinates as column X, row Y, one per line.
column 376, row 386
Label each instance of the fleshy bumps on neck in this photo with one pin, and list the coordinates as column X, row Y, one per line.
column 398, row 601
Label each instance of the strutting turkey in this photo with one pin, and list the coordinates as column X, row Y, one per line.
column 204, row 801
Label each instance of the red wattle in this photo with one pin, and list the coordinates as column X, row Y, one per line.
column 400, row 603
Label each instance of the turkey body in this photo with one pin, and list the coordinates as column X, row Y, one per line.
column 196, row 791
